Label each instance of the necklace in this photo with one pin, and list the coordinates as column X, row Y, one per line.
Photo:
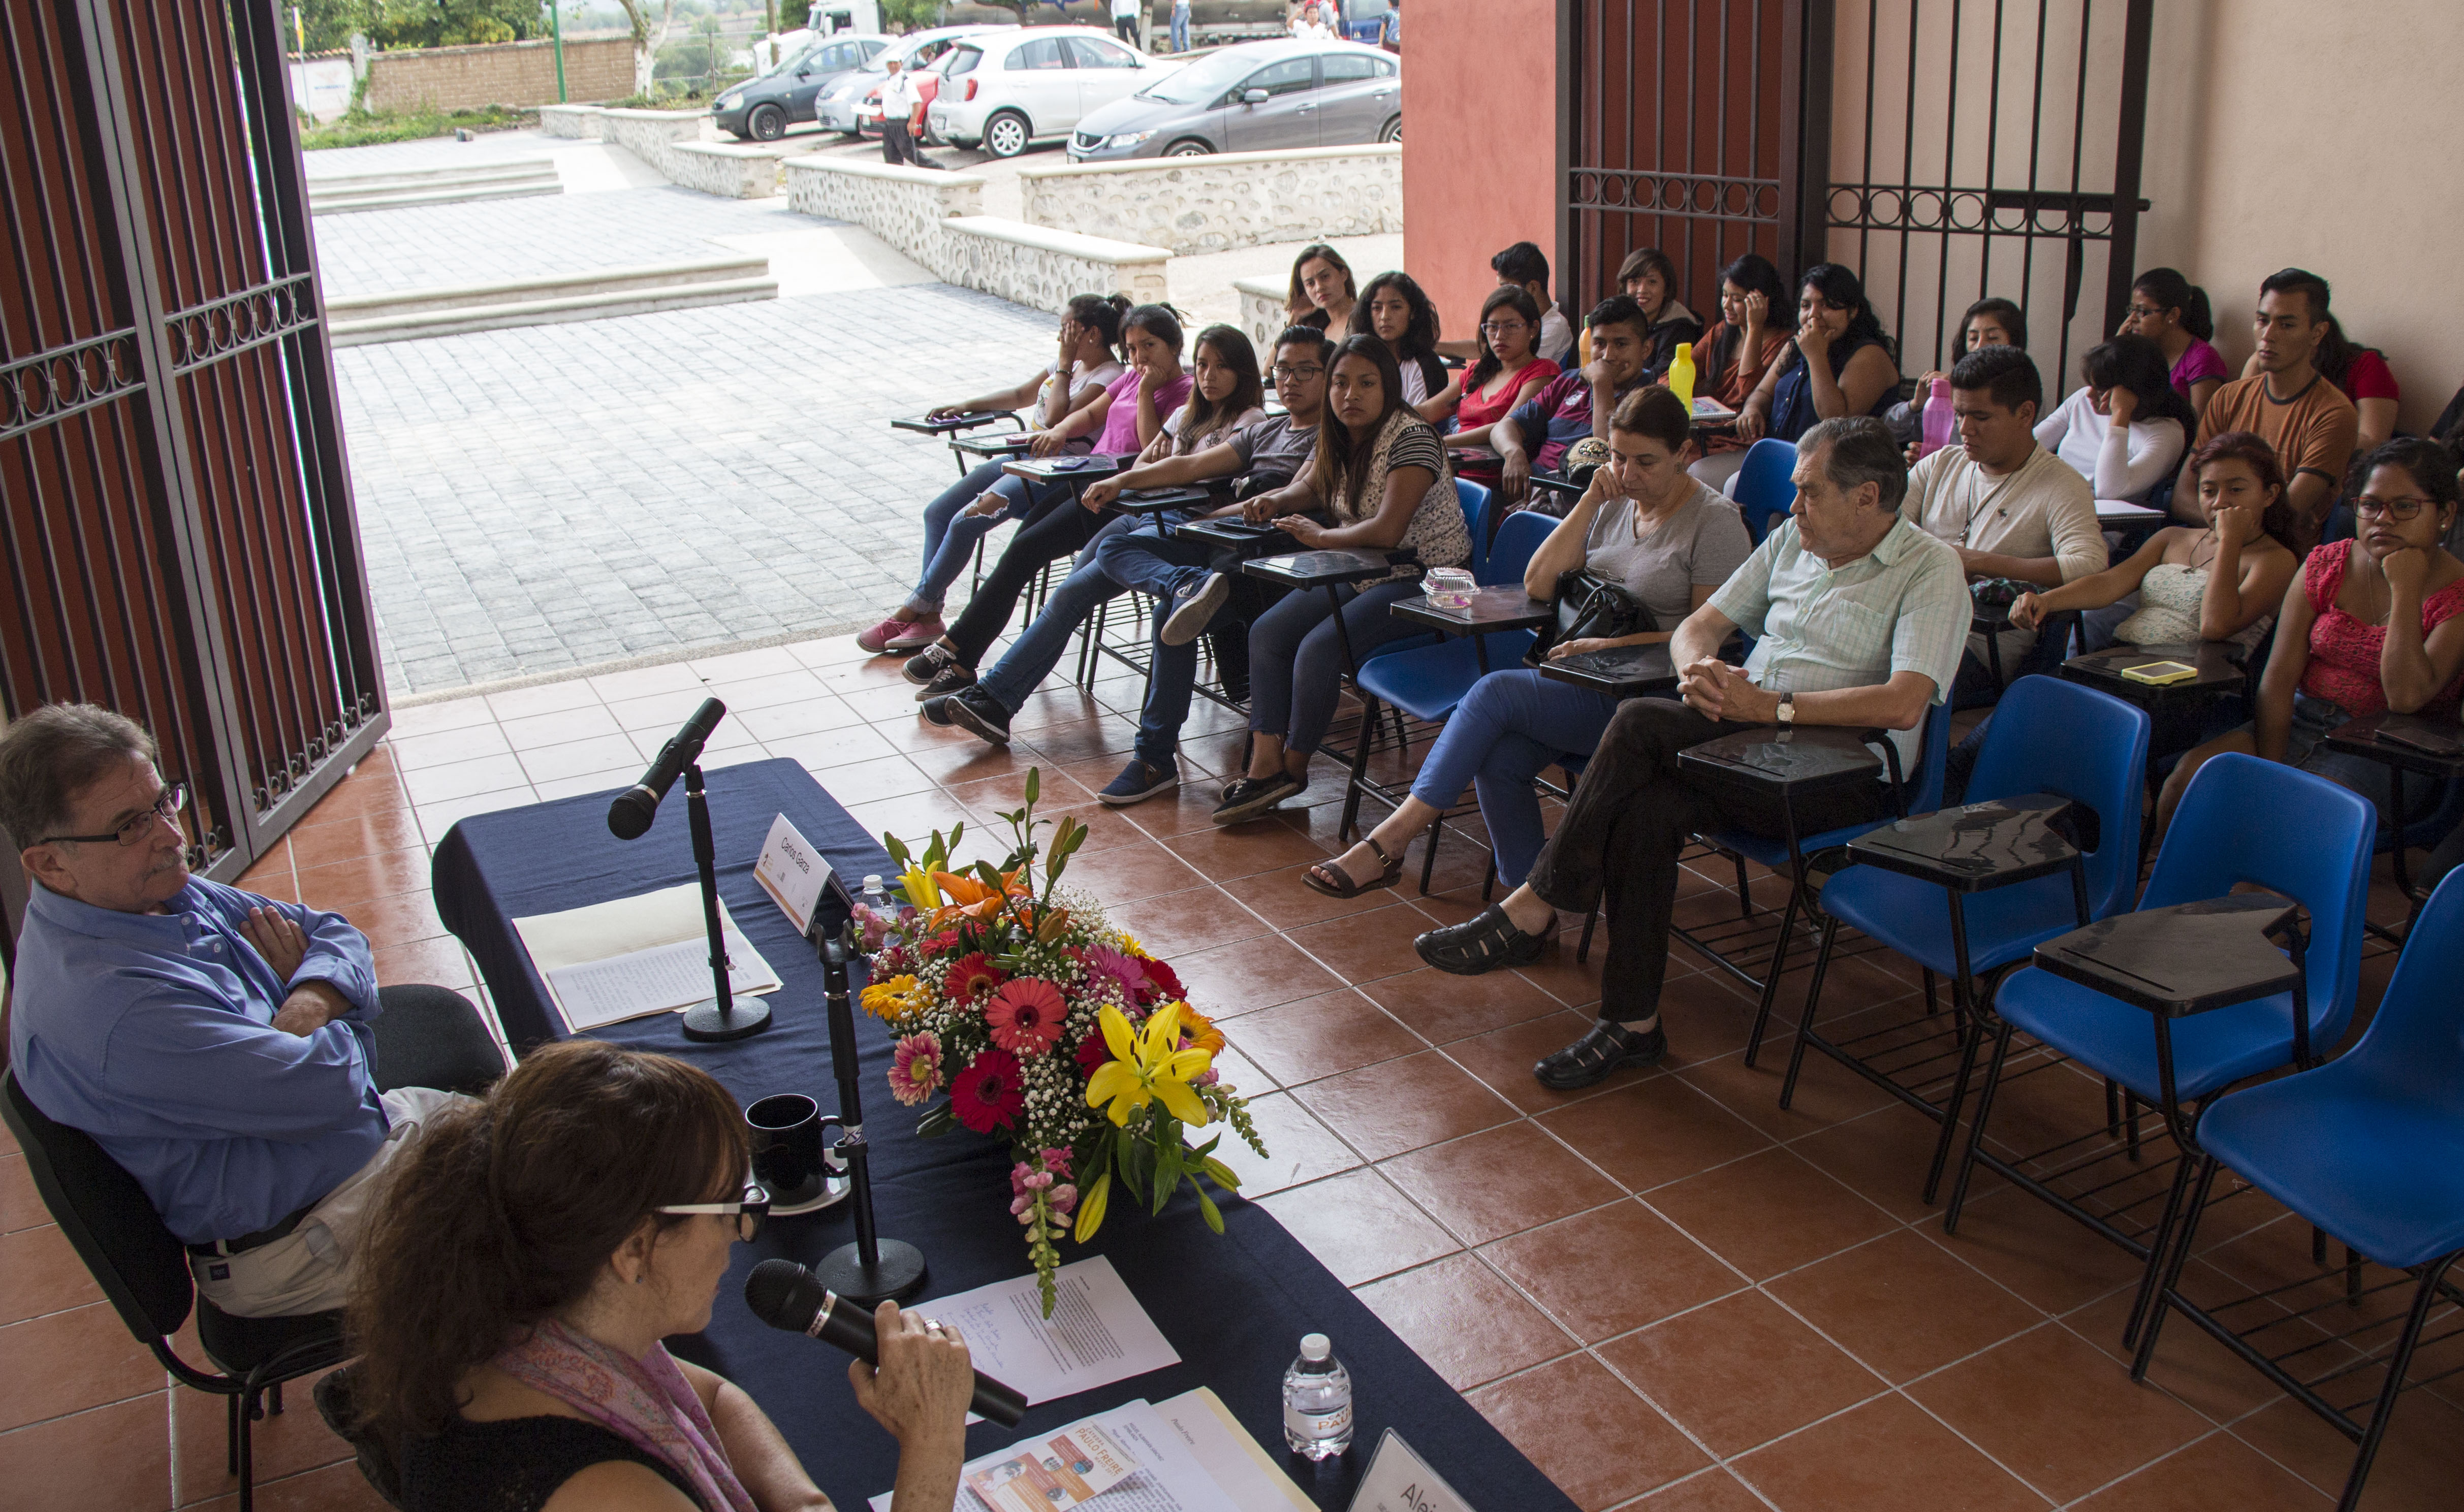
column 2375, row 613
column 2215, row 544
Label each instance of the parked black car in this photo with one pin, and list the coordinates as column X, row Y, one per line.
column 761, row 109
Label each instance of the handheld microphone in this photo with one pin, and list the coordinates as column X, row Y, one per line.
column 786, row 1295
column 630, row 817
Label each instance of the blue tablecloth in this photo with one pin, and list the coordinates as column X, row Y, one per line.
column 1234, row 1307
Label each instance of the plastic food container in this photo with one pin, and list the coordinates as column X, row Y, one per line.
column 1448, row 587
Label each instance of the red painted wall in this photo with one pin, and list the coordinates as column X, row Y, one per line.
column 1480, row 143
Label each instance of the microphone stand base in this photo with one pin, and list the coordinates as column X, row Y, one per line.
column 899, row 1275
column 746, row 1016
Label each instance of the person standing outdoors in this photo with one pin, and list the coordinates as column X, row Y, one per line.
column 1181, row 26
column 1390, row 27
column 900, row 101
column 1125, row 20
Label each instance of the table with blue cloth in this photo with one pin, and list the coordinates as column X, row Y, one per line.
column 1233, row 1306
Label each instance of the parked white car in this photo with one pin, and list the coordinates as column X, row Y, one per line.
column 1013, row 89
column 841, row 106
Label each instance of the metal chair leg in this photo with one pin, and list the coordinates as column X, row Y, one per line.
column 1745, row 893
column 1591, row 920
column 1429, row 853
column 1976, row 1128
column 247, row 1456
column 1779, row 964
column 231, row 1432
column 1805, row 1023
column 1359, row 770
column 1933, row 1002
column 2158, row 1251
column 2159, row 1297
column 2423, row 1299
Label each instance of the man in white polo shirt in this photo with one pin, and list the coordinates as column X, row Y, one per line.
column 899, row 100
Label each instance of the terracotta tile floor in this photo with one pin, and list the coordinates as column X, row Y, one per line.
column 1667, row 1291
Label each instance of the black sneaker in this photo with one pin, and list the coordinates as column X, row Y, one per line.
column 936, row 712
column 1137, row 783
column 1605, row 1048
column 926, row 665
column 1250, row 796
column 978, row 713
column 1192, row 607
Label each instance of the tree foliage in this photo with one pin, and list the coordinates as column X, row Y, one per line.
column 330, row 24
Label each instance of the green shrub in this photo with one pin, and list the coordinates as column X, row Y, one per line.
column 360, row 128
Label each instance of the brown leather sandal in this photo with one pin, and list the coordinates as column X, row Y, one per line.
column 1331, row 880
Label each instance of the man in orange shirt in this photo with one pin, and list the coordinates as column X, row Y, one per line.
column 2288, row 402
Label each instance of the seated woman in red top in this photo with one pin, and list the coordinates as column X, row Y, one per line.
column 1508, row 371
column 2372, row 624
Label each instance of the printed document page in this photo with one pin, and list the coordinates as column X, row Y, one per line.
column 632, row 931
column 1097, row 1333
column 1130, row 1459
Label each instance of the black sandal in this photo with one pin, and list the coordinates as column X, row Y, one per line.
column 1483, row 943
column 1335, row 883
column 1604, row 1048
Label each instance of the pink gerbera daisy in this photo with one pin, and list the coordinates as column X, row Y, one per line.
column 988, row 1094
column 1026, row 1015
column 915, row 1069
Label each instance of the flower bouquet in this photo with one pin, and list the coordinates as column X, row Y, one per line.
column 1042, row 1023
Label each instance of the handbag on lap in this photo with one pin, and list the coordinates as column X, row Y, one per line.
column 1589, row 607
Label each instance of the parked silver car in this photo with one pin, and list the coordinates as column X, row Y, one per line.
column 1258, row 96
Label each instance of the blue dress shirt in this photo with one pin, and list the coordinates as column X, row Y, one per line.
column 154, row 1032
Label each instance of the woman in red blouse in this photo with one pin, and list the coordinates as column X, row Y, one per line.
column 1508, row 372
column 2372, row 624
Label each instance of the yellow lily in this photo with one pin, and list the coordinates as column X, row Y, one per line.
column 1148, row 1066
column 917, row 884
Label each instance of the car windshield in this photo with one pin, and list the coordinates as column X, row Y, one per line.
column 1202, row 80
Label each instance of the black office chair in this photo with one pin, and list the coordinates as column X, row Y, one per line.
column 145, row 1273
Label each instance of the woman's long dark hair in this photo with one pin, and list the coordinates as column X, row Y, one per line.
column 1342, row 464
column 1297, row 307
column 1754, row 273
column 506, row 1213
column 1201, row 416
column 1840, row 288
column 2251, row 448
column 2337, row 351
column 2138, row 364
column 1419, row 334
column 2167, row 290
column 1504, row 296
column 1101, row 314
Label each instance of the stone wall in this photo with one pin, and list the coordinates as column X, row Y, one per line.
column 1037, row 266
column 717, row 167
column 653, row 135
column 578, row 122
column 497, row 74
column 1262, row 312
column 904, row 207
column 1228, row 200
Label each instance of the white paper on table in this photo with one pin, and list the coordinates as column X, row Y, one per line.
column 1097, row 1333
column 1165, row 1475
column 661, row 980
column 1237, row 1462
column 1066, row 1469
column 1398, row 1480
column 628, row 929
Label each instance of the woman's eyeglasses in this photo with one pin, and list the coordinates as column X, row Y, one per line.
column 749, row 1210
column 2398, row 510
column 134, row 831
column 1493, row 330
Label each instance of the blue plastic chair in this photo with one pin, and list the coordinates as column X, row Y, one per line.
column 1922, row 795
column 2243, row 819
column 2048, row 737
column 1476, row 501
column 2368, row 1147
column 1766, row 485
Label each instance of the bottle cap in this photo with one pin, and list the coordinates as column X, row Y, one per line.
column 1314, row 1348
column 871, row 883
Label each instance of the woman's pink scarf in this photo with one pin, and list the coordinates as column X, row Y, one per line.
column 648, row 1402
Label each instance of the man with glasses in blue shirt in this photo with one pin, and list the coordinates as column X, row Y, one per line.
column 224, row 1049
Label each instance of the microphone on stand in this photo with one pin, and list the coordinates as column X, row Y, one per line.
column 786, row 1295
column 630, row 817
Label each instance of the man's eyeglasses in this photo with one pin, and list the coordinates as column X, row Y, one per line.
column 1281, row 373
column 173, row 798
column 749, row 1210
column 2392, row 509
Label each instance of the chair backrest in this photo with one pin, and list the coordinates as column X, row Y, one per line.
column 1933, row 760
column 2244, row 819
column 1766, row 485
column 2051, row 736
column 1517, row 538
column 1475, row 499
column 106, row 1217
column 2416, row 1041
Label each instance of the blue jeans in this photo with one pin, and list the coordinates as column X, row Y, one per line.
column 1181, row 28
column 1034, row 654
column 1296, row 660
column 1148, row 561
column 950, row 537
column 1511, row 727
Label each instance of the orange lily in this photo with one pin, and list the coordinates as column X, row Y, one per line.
column 969, row 897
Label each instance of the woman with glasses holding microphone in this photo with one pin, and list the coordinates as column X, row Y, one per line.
column 535, row 1249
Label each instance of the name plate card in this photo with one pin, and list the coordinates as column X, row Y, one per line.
column 792, row 872
column 1399, row 1481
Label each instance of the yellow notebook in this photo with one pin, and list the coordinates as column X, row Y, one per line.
column 2160, row 673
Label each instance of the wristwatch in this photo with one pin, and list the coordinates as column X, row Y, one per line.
column 1788, row 711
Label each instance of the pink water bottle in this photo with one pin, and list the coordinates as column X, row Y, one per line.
column 1940, row 425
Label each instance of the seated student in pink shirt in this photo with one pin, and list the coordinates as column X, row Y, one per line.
column 2172, row 311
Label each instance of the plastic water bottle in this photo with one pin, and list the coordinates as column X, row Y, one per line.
column 1317, row 1401
column 1940, row 424
column 1681, row 373
column 876, row 900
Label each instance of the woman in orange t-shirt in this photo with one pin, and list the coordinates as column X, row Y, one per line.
column 1731, row 359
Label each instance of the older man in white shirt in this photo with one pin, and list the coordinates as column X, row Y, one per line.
column 900, row 99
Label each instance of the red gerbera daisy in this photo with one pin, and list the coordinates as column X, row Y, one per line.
column 971, row 977
column 988, row 1094
column 1163, row 983
column 1092, row 1052
column 1026, row 1015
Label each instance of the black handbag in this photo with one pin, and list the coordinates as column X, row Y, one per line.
column 1591, row 607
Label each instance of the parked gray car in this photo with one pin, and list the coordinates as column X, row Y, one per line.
column 760, row 109
column 1258, row 96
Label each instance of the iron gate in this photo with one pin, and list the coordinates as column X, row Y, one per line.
column 175, row 512
column 1945, row 150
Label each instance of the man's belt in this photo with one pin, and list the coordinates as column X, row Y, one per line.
column 249, row 1241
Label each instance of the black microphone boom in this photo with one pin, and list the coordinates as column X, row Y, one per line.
column 786, row 1295
column 630, row 817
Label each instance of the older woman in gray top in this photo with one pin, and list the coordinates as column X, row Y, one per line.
column 1645, row 524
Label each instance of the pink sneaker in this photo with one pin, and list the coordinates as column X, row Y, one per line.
column 913, row 635
column 878, row 639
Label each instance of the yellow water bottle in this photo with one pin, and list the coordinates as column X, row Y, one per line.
column 1681, row 373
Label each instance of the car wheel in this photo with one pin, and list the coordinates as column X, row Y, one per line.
column 1005, row 135
column 768, row 122
column 1190, row 147
column 1392, row 132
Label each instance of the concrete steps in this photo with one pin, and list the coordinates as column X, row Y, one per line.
column 595, row 296
column 342, row 193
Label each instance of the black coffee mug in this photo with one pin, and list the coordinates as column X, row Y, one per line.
column 787, row 1147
